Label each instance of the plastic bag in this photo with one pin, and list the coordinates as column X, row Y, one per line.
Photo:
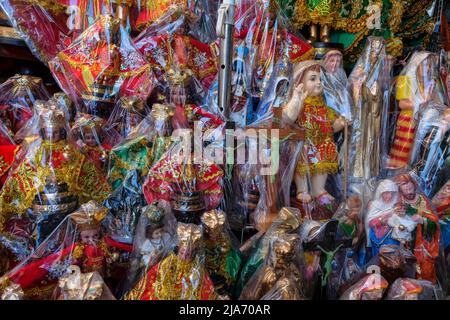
column 279, row 277
column 17, row 96
column 101, row 66
column 222, row 256
column 8, row 151
column 371, row 287
column 127, row 114
column 143, row 147
column 411, row 289
column 181, row 275
column 417, row 87
column 50, row 177
column 77, row 240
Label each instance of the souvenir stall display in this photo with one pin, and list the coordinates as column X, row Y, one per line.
column 226, row 150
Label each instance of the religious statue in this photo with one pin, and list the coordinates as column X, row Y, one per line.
column 143, row 147
column 101, row 66
column 127, row 114
column 426, row 238
column 17, row 96
column 182, row 275
column 384, row 204
column 223, row 260
column 368, row 84
column 417, row 86
column 51, row 178
column 279, row 278
column 306, row 106
column 91, row 140
column 350, row 221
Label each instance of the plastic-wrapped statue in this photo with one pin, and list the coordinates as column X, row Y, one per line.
column 319, row 157
column 17, row 96
column 412, row 289
column 52, row 176
column 426, row 237
column 417, row 86
column 143, row 147
column 127, row 114
column 371, row 287
column 369, row 83
column 181, row 275
column 153, row 241
column 101, row 66
column 350, row 222
column 92, row 140
column 223, row 260
column 279, row 278
column 384, row 204
column 81, row 286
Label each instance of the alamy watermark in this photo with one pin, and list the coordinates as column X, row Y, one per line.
column 259, row 147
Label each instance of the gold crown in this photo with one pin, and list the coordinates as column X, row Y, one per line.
column 87, row 121
column 51, row 116
column 24, row 82
column 213, row 219
column 132, row 104
column 189, row 234
column 154, row 214
column 179, row 77
column 89, row 216
column 162, row 111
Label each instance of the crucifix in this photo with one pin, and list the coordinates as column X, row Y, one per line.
column 328, row 245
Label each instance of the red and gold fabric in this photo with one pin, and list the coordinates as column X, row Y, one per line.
column 7, row 155
column 165, row 51
column 152, row 10
column 171, row 279
column 406, row 127
column 103, row 55
column 168, row 177
column 66, row 164
column 319, row 154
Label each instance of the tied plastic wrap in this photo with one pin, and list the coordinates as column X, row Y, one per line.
column 154, row 239
column 411, row 289
column 371, row 287
column 101, row 66
column 50, row 176
column 81, row 286
column 222, row 257
column 17, row 96
column 169, row 47
column 77, row 241
column 401, row 214
column 418, row 90
column 182, row 275
column 280, row 276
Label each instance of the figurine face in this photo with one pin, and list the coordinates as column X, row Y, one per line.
column 89, row 139
column 333, row 62
column 51, row 134
column 312, row 83
column 387, row 196
column 90, row 236
column 408, row 190
column 157, row 234
column 185, row 252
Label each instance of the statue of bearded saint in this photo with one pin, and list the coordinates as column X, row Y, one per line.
column 279, row 277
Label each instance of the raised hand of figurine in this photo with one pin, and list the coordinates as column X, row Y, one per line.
column 340, row 123
column 292, row 109
column 300, row 93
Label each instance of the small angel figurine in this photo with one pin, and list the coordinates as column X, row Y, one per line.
column 307, row 107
